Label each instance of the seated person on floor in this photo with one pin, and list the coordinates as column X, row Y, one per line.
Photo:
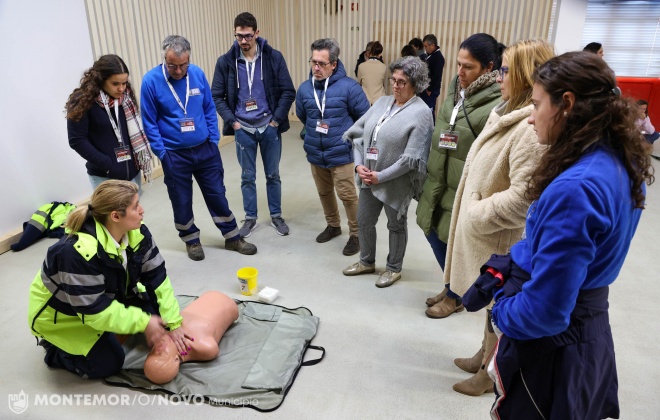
column 206, row 319
column 644, row 123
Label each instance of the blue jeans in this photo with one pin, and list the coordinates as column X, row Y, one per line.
column 439, row 248
column 96, row 181
column 270, row 143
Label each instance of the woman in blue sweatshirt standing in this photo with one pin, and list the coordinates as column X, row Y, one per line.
column 555, row 358
column 104, row 125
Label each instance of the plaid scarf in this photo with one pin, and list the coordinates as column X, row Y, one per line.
column 138, row 139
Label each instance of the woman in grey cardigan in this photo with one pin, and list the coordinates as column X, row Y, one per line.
column 391, row 144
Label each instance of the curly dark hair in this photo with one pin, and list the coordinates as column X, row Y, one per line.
column 599, row 117
column 82, row 98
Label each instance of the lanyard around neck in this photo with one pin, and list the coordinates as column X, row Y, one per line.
column 387, row 115
column 250, row 69
column 116, row 126
column 321, row 106
column 454, row 113
column 183, row 107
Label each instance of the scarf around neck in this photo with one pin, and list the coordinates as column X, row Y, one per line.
column 482, row 82
column 136, row 135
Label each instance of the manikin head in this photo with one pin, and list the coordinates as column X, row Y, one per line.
column 163, row 361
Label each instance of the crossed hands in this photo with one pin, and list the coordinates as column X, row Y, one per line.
column 367, row 176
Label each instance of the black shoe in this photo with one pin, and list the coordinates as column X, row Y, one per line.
column 352, row 246
column 329, row 233
column 241, row 247
column 195, row 251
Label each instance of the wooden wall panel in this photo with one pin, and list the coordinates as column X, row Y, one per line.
column 134, row 29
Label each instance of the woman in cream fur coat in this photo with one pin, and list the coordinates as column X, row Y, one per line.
column 489, row 212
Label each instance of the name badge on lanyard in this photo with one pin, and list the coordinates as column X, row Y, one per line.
column 372, row 153
column 251, row 103
column 186, row 124
column 321, row 126
column 123, row 152
column 449, row 138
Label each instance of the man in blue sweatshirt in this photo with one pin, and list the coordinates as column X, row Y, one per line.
column 182, row 127
column 253, row 92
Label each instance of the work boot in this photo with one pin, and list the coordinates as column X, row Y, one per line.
column 480, row 383
column 433, row 300
column 241, row 247
column 195, row 251
column 446, row 307
column 329, row 233
column 352, row 246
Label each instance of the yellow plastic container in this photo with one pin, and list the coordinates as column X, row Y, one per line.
column 247, row 277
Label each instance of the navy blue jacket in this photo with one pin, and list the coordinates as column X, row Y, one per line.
column 345, row 104
column 95, row 140
column 280, row 91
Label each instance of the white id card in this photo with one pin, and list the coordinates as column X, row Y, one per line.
column 448, row 140
column 372, row 153
column 322, row 127
column 187, row 124
column 251, row 105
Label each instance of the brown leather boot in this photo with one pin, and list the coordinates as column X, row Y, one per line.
column 480, row 383
column 446, row 307
column 472, row 364
column 433, row 300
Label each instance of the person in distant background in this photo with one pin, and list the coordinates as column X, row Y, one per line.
column 436, row 63
column 362, row 58
column 644, row 123
column 595, row 47
column 418, row 45
column 104, row 125
column 408, row 51
column 371, row 74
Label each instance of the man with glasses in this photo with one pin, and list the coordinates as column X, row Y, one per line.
column 253, row 93
column 328, row 104
column 182, row 127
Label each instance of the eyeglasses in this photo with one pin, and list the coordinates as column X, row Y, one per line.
column 314, row 63
column 503, row 71
column 173, row 67
column 399, row 82
column 247, row 37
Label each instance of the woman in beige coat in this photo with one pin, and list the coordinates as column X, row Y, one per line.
column 489, row 212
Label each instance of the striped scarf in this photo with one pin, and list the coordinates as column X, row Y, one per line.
column 138, row 139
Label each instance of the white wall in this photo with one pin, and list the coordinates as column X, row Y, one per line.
column 570, row 18
column 46, row 49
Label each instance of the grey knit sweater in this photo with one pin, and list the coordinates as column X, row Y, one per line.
column 404, row 140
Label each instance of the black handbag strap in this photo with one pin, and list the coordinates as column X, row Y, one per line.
column 468, row 120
